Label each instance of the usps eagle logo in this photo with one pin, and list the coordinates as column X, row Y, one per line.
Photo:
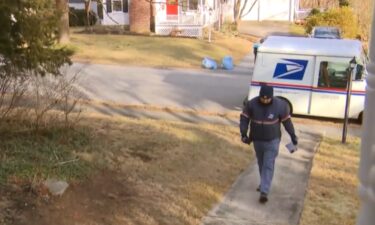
column 290, row 69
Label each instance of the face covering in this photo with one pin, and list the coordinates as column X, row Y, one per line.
column 265, row 95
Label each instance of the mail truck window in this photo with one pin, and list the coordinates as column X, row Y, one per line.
column 333, row 75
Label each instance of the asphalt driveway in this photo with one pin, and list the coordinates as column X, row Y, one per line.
column 264, row 28
column 218, row 91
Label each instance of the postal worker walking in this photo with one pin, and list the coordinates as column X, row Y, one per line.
column 265, row 114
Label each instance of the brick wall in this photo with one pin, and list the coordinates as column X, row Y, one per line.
column 139, row 16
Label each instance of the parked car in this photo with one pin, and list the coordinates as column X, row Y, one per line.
column 326, row 32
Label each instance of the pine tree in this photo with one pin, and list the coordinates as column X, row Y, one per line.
column 28, row 37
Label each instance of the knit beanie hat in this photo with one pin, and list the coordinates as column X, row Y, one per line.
column 266, row 91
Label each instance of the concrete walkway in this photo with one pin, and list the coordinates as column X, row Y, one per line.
column 240, row 205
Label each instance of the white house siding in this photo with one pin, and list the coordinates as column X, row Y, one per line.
column 250, row 10
column 227, row 11
column 202, row 16
column 161, row 10
column 115, row 18
column 277, row 10
column 282, row 10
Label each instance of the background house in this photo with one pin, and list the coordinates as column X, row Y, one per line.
column 114, row 12
column 185, row 17
column 111, row 12
column 258, row 10
column 178, row 17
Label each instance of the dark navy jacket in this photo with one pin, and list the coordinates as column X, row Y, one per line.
column 266, row 119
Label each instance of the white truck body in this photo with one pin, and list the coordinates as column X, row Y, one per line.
column 311, row 74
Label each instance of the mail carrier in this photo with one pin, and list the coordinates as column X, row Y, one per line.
column 311, row 74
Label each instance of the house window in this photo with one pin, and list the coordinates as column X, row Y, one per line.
column 125, row 6
column 193, row 4
column 117, row 5
column 189, row 5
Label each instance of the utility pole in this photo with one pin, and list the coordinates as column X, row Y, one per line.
column 348, row 96
column 367, row 163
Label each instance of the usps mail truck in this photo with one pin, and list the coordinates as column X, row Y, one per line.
column 311, row 74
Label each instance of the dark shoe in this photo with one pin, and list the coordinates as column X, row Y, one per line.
column 263, row 198
column 258, row 188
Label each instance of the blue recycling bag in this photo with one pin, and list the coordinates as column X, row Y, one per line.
column 227, row 63
column 209, row 63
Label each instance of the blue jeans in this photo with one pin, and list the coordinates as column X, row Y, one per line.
column 266, row 153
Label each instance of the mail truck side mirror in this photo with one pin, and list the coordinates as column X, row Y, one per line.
column 359, row 73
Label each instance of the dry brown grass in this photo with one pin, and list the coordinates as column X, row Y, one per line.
column 332, row 195
column 142, row 172
column 155, row 51
column 179, row 169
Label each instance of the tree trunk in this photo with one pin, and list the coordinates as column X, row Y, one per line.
column 87, row 10
column 152, row 16
column 62, row 7
column 237, row 11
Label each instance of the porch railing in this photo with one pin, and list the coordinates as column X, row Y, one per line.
column 190, row 23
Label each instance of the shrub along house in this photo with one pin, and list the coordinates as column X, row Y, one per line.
column 77, row 13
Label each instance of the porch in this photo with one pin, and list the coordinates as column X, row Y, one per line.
column 185, row 18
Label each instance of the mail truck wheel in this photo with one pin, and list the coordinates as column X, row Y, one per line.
column 289, row 104
column 360, row 118
column 245, row 100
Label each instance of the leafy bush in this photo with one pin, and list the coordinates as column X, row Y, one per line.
column 314, row 11
column 77, row 17
column 229, row 28
column 343, row 17
column 343, row 3
column 28, row 48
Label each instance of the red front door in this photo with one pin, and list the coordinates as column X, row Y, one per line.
column 172, row 7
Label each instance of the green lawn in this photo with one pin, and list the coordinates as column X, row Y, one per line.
column 155, row 51
column 332, row 197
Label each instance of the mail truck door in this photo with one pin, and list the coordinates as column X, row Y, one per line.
column 290, row 75
column 329, row 91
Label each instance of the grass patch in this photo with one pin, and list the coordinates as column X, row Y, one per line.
column 28, row 155
column 155, row 51
column 137, row 171
column 181, row 169
column 332, row 195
